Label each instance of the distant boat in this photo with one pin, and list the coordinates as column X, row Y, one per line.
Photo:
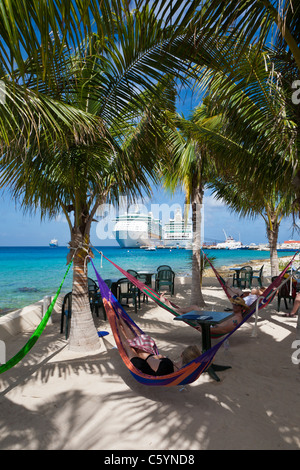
column 150, row 248
column 253, row 246
column 53, row 242
column 289, row 245
column 229, row 244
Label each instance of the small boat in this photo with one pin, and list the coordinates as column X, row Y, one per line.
column 229, row 244
column 150, row 248
column 253, row 246
column 53, row 242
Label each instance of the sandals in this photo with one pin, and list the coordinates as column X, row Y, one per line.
column 290, row 315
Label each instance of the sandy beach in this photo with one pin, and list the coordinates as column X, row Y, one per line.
column 56, row 399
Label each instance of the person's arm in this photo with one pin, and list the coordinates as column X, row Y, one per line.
column 226, row 326
column 124, row 339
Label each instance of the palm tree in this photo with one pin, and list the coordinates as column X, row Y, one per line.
column 191, row 166
column 252, row 143
column 251, row 201
column 103, row 80
column 258, row 138
column 251, row 21
column 234, row 25
column 36, row 40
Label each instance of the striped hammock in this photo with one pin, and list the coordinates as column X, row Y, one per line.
column 270, row 291
column 190, row 372
column 264, row 300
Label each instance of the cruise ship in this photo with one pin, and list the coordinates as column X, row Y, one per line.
column 178, row 233
column 133, row 230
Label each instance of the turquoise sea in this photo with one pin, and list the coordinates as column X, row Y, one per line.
column 27, row 274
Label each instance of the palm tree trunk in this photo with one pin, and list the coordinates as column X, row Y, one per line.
column 83, row 333
column 196, row 293
column 272, row 233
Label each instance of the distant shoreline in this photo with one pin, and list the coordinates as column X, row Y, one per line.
column 255, row 264
column 27, row 274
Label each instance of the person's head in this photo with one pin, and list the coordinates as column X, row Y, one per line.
column 261, row 290
column 190, row 353
column 238, row 305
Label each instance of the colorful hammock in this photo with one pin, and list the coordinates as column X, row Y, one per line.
column 264, row 300
column 190, row 372
column 149, row 291
column 270, row 291
column 187, row 374
column 35, row 336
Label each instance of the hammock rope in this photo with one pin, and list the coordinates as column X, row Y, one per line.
column 264, row 300
column 37, row 333
column 187, row 374
column 151, row 293
column 195, row 368
column 270, row 291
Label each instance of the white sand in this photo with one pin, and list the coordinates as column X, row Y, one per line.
column 54, row 399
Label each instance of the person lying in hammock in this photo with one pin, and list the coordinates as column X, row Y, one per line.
column 239, row 307
column 143, row 354
column 248, row 296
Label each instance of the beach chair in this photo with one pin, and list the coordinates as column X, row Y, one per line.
column 285, row 293
column 258, row 275
column 147, row 280
column 165, row 278
column 92, row 285
column 126, row 290
column 163, row 266
column 92, row 289
column 96, row 302
column 245, row 277
column 132, row 272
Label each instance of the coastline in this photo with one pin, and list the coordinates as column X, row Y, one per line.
column 225, row 271
column 255, row 264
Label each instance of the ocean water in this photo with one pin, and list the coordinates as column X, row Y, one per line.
column 27, row 274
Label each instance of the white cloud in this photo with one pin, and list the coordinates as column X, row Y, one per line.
column 61, row 218
column 211, row 202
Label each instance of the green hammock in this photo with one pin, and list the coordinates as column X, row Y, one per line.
column 39, row 330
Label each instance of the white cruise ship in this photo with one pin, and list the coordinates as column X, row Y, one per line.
column 229, row 244
column 178, row 233
column 133, row 230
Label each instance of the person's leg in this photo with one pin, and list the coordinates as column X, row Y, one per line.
column 127, row 331
column 188, row 309
column 296, row 305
